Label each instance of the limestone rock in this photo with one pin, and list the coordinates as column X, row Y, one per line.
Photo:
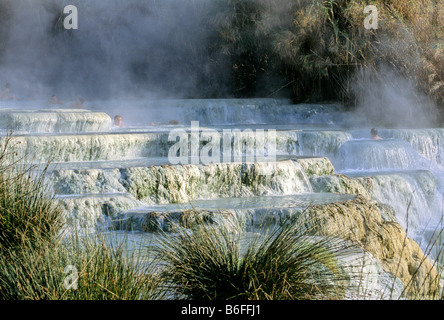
column 367, row 280
column 360, row 221
column 338, row 183
column 412, row 194
column 89, row 212
column 316, row 166
column 54, row 121
column 185, row 183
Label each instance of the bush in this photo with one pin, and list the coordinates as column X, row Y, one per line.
column 35, row 254
column 209, row 262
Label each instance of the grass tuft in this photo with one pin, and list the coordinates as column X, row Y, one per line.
column 208, row 262
column 28, row 212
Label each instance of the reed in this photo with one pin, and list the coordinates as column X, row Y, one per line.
column 312, row 50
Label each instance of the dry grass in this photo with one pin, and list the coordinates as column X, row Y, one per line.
column 317, row 46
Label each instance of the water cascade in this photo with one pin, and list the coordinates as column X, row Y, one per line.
column 54, row 121
column 412, row 194
column 123, row 178
column 428, row 142
column 377, row 155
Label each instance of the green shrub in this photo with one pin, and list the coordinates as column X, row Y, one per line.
column 209, row 262
column 35, row 249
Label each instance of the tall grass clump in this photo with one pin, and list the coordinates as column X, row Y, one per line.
column 28, row 212
column 78, row 268
column 40, row 259
column 211, row 262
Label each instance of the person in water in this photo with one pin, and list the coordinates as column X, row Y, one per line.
column 118, row 121
column 5, row 94
column 55, row 100
column 78, row 103
column 374, row 134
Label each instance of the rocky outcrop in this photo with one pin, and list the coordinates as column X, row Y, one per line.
column 90, row 147
column 315, row 166
column 168, row 221
column 338, row 183
column 360, row 221
column 250, row 213
column 376, row 219
column 184, row 183
column 88, row 213
column 410, row 193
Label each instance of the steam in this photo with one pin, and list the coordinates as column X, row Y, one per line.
column 161, row 49
column 386, row 98
column 122, row 48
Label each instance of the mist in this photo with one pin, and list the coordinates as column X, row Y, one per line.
column 121, row 49
column 155, row 49
column 386, row 98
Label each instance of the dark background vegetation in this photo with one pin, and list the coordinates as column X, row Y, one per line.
column 308, row 50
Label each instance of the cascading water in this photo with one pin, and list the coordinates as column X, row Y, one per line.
column 109, row 177
column 405, row 173
column 54, row 121
column 428, row 142
column 89, row 156
column 183, row 183
column 377, row 155
column 412, row 193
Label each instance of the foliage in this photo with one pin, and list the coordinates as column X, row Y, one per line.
column 79, row 268
column 315, row 48
column 209, row 262
column 28, row 212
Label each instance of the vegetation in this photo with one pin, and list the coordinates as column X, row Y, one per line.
column 40, row 261
column 79, row 268
column 318, row 47
column 309, row 50
column 208, row 262
column 36, row 255
column 199, row 259
column 28, row 214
